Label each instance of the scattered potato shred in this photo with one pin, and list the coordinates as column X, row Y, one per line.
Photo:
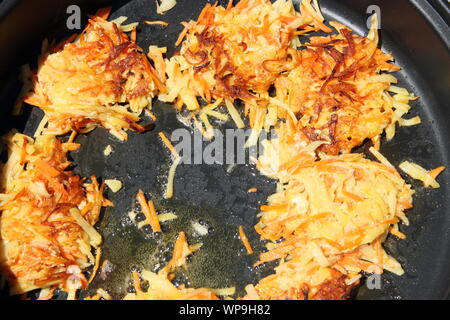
column 162, row 6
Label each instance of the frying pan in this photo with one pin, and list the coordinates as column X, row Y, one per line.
column 416, row 32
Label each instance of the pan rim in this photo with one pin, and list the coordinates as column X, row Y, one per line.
column 435, row 19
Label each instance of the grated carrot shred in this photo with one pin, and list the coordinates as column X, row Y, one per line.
column 150, row 114
column 72, row 137
column 136, row 282
column 133, row 36
column 47, row 169
column 280, row 207
column 245, row 241
column 437, row 171
column 157, row 22
column 398, row 234
column 96, row 265
column 23, row 152
column 168, row 144
column 149, row 211
column 182, row 35
column 178, row 250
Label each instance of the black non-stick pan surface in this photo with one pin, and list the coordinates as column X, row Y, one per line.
column 412, row 31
